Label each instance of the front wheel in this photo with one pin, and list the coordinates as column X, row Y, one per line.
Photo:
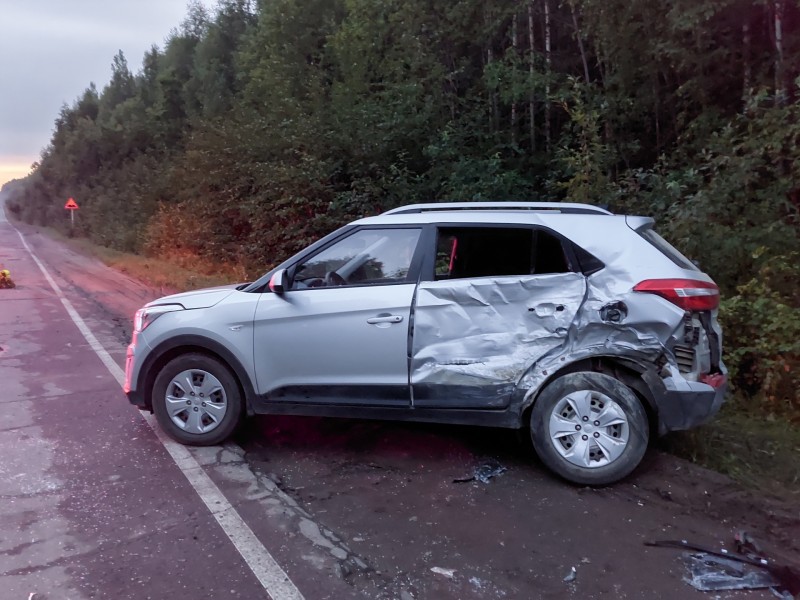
column 197, row 400
column 589, row 428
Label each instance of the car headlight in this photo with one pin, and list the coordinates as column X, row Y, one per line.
column 148, row 314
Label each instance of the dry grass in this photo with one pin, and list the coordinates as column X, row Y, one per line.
column 165, row 274
column 191, row 274
column 760, row 452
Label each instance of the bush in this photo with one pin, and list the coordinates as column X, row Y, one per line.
column 762, row 325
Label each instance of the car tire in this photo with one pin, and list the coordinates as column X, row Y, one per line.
column 196, row 400
column 589, row 428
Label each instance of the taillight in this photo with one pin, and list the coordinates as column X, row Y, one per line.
column 687, row 293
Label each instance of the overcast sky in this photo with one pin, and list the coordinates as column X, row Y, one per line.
column 50, row 50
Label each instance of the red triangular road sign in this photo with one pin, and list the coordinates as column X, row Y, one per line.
column 71, row 204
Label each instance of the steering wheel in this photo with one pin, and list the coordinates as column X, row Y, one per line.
column 332, row 278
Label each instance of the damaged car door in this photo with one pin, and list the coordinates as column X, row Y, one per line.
column 339, row 333
column 497, row 299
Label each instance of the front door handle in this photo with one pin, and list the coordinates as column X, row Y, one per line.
column 385, row 319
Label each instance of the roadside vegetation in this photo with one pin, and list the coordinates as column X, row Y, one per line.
column 761, row 453
column 264, row 125
column 169, row 276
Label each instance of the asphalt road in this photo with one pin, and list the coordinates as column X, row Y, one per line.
column 94, row 505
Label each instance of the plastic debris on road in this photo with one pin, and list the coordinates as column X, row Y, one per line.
column 484, row 473
column 571, row 576
column 745, row 544
column 709, row 573
column 450, row 573
column 477, row 582
column 720, row 569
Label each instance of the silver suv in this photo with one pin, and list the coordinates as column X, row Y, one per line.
column 584, row 326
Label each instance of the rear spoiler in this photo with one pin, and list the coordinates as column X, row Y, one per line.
column 639, row 224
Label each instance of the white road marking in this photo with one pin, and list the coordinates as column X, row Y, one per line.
column 272, row 577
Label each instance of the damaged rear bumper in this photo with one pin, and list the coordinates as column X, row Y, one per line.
column 683, row 404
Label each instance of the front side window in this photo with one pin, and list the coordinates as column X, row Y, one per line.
column 366, row 257
column 497, row 251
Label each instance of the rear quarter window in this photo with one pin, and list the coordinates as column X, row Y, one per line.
column 667, row 249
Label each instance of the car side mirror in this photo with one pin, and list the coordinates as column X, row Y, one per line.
column 279, row 282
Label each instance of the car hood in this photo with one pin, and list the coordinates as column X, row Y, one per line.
column 197, row 298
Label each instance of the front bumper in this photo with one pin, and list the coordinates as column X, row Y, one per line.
column 134, row 397
column 137, row 399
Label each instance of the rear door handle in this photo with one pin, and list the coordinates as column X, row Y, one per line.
column 546, row 309
column 386, row 319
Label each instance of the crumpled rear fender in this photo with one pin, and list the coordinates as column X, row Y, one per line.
column 635, row 360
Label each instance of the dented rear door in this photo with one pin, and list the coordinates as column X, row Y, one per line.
column 474, row 338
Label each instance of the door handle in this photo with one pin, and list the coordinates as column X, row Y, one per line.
column 385, row 319
column 546, row 309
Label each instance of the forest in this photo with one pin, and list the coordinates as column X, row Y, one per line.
column 259, row 126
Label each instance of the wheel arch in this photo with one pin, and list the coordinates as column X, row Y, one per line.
column 185, row 344
column 626, row 370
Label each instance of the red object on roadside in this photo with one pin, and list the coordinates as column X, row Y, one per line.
column 71, row 204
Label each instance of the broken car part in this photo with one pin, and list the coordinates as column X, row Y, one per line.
column 484, row 473
column 787, row 578
column 708, row 573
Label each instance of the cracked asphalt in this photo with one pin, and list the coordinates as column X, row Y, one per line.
column 94, row 507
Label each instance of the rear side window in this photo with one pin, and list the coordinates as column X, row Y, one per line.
column 667, row 249
column 497, row 251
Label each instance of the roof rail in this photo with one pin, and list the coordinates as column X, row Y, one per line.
column 561, row 207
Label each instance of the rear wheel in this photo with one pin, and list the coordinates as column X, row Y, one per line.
column 196, row 400
column 589, row 428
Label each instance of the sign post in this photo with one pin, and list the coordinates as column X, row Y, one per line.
column 71, row 206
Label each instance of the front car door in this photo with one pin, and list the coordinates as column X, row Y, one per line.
column 498, row 299
column 340, row 333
